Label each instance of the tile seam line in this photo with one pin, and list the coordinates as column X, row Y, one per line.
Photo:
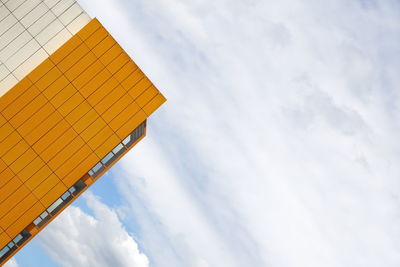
column 20, row 21
column 5, row 4
column 71, row 126
column 49, row 116
column 64, row 118
column 96, row 112
column 15, row 204
column 48, row 101
column 41, row 47
column 23, row 122
column 34, row 36
column 90, row 50
column 107, row 168
column 31, row 205
column 37, row 155
column 112, row 74
column 93, row 179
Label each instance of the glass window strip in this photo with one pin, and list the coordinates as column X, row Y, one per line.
column 44, row 214
column 4, row 251
column 97, row 167
column 37, row 221
column 7, row 250
column 107, row 158
column 117, row 151
column 118, row 148
column 67, row 196
column 72, row 190
column 78, row 187
column 126, row 140
column 17, row 238
column 12, row 246
column 53, row 206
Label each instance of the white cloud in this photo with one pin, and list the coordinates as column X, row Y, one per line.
column 278, row 145
column 11, row 263
column 85, row 240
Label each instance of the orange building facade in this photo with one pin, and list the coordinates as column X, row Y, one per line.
column 64, row 124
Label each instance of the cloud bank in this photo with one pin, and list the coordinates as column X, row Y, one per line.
column 85, row 240
column 11, row 263
column 278, row 145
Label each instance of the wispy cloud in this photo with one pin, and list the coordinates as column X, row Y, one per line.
column 278, row 145
column 11, row 263
column 85, row 240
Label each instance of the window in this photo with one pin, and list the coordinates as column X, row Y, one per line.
column 134, row 136
column 22, row 237
column 113, row 155
column 54, row 206
column 117, row 151
column 42, row 219
column 77, row 187
column 96, row 170
column 127, row 140
column 107, row 160
column 66, row 196
column 17, row 239
column 7, row 250
column 72, row 190
column 59, row 203
column 12, row 246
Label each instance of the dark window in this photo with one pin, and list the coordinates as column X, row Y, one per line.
column 42, row 219
column 59, row 203
column 134, row 136
column 117, row 151
column 77, row 187
column 96, row 170
column 22, row 237
column 7, row 250
column 107, row 160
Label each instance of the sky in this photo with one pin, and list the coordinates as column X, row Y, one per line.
column 277, row 147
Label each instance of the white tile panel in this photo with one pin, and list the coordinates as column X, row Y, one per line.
column 78, row 23
column 62, row 6
column 34, row 15
column 3, row 12
column 11, row 34
column 23, row 54
column 70, row 14
column 15, row 45
column 4, row 72
column 42, row 23
column 14, row 4
column 7, row 83
column 49, row 32
column 57, row 41
column 25, row 8
column 30, row 64
column 31, row 32
column 7, row 23
column 51, row 3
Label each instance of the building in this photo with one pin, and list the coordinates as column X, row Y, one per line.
column 72, row 103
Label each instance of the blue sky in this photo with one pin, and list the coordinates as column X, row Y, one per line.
column 278, row 145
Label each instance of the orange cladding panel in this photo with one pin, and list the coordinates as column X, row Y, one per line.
column 4, row 239
column 62, row 119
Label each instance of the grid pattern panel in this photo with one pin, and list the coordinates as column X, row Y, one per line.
column 31, row 30
column 79, row 103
